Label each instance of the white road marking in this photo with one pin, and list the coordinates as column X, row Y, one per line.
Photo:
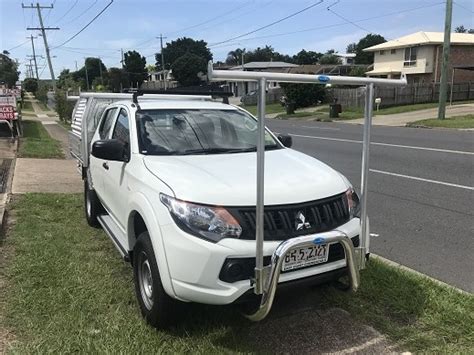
column 421, row 179
column 323, row 128
column 387, row 144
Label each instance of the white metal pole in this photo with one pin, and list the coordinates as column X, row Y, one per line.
column 369, row 105
column 259, row 235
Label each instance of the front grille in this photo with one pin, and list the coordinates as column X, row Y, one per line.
column 236, row 269
column 281, row 222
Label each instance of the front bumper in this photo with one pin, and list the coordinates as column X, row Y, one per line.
column 195, row 264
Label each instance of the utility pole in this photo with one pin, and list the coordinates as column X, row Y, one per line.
column 243, row 54
column 162, row 60
column 34, row 55
column 43, row 32
column 121, row 56
column 444, row 69
column 87, row 74
column 100, row 71
column 30, row 68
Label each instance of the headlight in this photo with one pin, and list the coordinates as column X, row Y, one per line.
column 208, row 222
column 353, row 203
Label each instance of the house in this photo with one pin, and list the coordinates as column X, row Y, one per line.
column 419, row 56
column 346, row 58
column 240, row 88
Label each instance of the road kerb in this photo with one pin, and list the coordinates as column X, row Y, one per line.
column 406, row 268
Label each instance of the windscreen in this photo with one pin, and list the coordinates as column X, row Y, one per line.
column 182, row 132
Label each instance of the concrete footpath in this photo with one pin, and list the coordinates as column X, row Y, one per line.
column 47, row 175
column 401, row 119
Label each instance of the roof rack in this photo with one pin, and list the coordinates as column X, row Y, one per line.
column 177, row 92
column 266, row 278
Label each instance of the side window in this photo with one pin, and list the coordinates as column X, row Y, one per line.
column 106, row 124
column 122, row 130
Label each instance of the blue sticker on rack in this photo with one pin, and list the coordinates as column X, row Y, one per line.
column 324, row 78
column 319, row 241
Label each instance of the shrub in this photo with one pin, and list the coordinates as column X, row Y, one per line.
column 42, row 94
column 303, row 95
column 64, row 107
column 30, row 85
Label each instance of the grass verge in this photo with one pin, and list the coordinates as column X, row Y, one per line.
column 27, row 106
column 269, row 108
column 466, row 121
column 68, row 291
column 37, row 143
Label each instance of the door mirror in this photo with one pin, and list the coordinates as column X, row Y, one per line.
column 286, row 140
column 109, row 149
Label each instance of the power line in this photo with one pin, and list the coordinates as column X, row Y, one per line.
column 237, row 8
column 15, row 47
column 87, row 25
column 271, row 24
column 82, row 13
column 329, row 26
column 68, row 11
column 463, row 7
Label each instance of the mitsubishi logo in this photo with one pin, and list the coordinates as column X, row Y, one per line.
column 300, row 221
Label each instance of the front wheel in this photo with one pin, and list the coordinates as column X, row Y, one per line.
column 92, row 206
column 156, row 306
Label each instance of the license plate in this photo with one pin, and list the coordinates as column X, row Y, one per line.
column 305, row 256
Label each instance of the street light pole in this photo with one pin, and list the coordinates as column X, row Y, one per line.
column 163, row 61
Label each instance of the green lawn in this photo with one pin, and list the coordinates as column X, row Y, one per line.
column 269, row 108
column 37, row 143
column 466, row 121
column 68, row 291
column 349, row 113
column 304, row 114
column 27, row 106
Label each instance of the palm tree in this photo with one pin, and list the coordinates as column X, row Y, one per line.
column 235, row 57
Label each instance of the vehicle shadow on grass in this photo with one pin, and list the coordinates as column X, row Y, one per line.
column 317, row 319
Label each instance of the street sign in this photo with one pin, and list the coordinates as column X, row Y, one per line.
column 8, row 100
column 7, row 112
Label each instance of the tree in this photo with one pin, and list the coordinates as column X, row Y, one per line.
column 135, row 67
column 117, row 79
column 8, row 70
column 357, row 71
column 351, row 48
column 235, row 57
column 306, row 57
column 366, row 42
column 30, row 85
column 330, row 58
column 303, row 95
column 462, row 29
column 181, row 46
column 66, row 81
column 186, row 69
column 94, row 69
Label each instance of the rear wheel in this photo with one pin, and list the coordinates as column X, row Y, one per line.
column 156, row 306
column 92, row 206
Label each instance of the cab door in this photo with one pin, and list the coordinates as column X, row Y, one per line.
column 115, row 176
column 96, row 165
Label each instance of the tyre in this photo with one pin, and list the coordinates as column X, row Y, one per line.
column 92, row 206
column 158, row 309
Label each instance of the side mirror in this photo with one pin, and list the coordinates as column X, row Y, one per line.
column 286, row 140
column 109, row 149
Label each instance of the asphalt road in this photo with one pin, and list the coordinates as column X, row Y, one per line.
column 421, row 191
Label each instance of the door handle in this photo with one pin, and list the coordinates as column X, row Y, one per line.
column 105, row 166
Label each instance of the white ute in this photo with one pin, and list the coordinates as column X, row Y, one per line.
column 172, row 181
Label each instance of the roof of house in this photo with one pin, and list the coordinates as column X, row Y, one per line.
column 264, row 65
column 423, row 38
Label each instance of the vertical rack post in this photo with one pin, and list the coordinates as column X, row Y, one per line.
column 369, row 106
column 259, row 275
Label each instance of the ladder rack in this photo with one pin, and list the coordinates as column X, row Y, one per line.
column 264, row 281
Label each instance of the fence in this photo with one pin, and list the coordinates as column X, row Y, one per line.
column 407, row 95
column 159, row 85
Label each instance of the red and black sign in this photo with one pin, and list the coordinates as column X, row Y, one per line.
column 7, row 112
